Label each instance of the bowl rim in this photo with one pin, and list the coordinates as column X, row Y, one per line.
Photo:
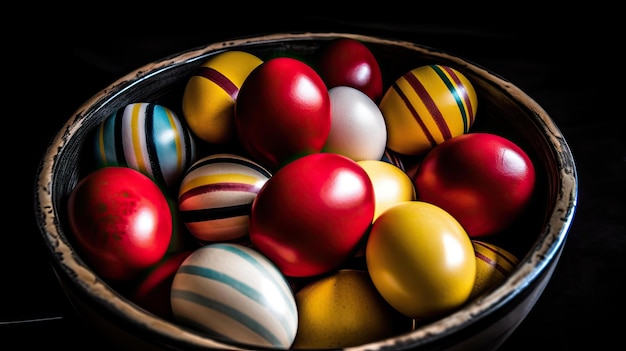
column 546, row 248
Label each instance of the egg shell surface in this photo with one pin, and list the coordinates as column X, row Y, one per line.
column 282, row 112
column 236, row 294
column 312, row 214
column 147, row 137
column 421, row 260
column 493, row 265
column 121, row 221
column 358, row 127
column 349, row 62
column 209, row 97
column 426, row 106
column 391, row 184
column 344, row 309
column 484, row 180
column 216, row 195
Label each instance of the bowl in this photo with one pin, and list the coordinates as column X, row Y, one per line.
column 536, row 238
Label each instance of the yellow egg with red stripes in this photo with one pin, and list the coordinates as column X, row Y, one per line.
column 216, row 195
column 209, row 97
column 493, row 265
column 426, row 106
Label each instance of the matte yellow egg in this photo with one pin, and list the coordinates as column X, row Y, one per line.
column 426, row 106
column 345, row 309
column 391, row 184
column 493, row 265
column 209, row 98
column 420, row 259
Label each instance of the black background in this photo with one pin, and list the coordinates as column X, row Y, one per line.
column 564, row 65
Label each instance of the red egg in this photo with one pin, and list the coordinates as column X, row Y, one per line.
column 121, row 221
column 483, row 180
column 312, row 214
column 153, row 290
column 349, row 62
column 282, row 112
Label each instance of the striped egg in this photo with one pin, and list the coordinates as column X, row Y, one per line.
column 493, row 265
column 236, row 294
column 147, row 137
column 426, row 106
column 209, row 97
column 216, row 194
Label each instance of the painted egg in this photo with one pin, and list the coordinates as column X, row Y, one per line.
column 493, row 265
column 426, row 106
column 349, row 62
column 421, row 260
column 343, row 310
column 484, row 180
column 282, row 112
column 209, row 97
column 357, row 128
column 394, row 158
column 121, row 221
column 233, row 292
column 216, row 194
column 312, row 214
column 147, row 137
column 153, row 288
column 391, row 184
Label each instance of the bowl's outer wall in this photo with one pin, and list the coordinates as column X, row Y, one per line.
column 515, row 115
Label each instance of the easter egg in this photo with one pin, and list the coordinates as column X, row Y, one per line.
column 215, row 196
column 493, row 265
column 147, row 137
column 391, row 184
column 234, row 293
column 209, row 97
column 311, row 215
column 121, row 221
column 484, row 180
column 357, row 127
column 394, row 158
column 282, row 112
column 349, row 62
column 421, row 260
column 426, row 106
column 153, row 289
column 344, row 309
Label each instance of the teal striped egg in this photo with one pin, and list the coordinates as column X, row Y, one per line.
column 215, row 196
column 147, row 137
column 236, row 294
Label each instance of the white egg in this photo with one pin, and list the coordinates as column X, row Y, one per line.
column 358, row 128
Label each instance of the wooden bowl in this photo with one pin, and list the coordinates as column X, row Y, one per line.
column 483, row 323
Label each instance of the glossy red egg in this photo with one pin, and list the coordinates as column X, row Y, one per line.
column 121, row 221
column 349, row 62
column 483, row 180
column 312, row 214
column 282, row 112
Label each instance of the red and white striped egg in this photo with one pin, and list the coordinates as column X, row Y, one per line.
column 216, row 194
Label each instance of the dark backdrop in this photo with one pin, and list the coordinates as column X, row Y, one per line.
column 66, row 60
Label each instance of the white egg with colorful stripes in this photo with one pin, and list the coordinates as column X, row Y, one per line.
column 236, row 294
column 147, row 137
column 216, row 194
column 426, row 106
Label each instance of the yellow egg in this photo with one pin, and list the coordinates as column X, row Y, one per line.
column 391, row 184
column 209, row 98
column 344, row 309
column 493, row 265
column 420, row 259
column 426, row 106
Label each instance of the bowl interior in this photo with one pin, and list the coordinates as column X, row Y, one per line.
column 536, row 238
